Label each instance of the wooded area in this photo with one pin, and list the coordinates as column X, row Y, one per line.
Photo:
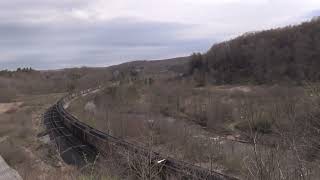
column 289, row 54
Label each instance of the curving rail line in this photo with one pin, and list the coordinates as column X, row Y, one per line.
column 78, row 143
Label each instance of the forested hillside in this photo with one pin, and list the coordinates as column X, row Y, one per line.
column 290, row 54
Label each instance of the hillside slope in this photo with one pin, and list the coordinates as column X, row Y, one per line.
column 285, row 54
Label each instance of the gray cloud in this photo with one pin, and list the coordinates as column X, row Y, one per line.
column 314, row 13
column 48, row 34
column 50, row 45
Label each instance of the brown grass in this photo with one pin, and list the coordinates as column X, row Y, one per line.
column 175, row 113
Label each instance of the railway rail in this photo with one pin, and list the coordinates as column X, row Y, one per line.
column 78, row 143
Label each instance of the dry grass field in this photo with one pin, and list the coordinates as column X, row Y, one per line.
column 24, row 97
column 240, row 130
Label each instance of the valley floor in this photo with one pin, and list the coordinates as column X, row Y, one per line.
column 229, row 129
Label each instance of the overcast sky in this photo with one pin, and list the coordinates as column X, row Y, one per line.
column 51, row 34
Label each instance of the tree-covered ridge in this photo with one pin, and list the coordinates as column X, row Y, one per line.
column 285, row 54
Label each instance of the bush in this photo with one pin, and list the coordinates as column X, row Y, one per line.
column 262, row 126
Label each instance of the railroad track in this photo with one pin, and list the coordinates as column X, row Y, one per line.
column 78, row 143
column 71, row 149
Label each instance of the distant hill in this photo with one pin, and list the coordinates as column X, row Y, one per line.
column 278, row 55
column 29, row 81
column 178, row 65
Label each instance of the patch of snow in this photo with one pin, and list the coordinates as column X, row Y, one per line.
column 161, row 161
column 45, row 139
column 241, row 88
column 150, row 121
column 66, row 105
column 215, row 138
column 90, row 107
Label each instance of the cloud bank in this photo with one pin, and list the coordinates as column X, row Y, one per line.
column 50, row 34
